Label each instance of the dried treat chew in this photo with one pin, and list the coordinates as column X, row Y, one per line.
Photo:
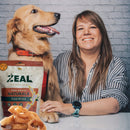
column 22, row 119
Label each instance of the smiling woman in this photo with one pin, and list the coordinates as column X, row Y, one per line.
column 92, row 81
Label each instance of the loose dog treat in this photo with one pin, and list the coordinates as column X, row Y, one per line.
column 20, row 84
column 17, row 121
column 28, row 31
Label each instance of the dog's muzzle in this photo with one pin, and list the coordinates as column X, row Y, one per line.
column 48, row 29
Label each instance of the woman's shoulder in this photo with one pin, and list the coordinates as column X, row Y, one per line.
column 117, row 64
column 117, row 61
column 64, row 55
column 62, row 59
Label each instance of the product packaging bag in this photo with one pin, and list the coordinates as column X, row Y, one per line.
column 20, row 84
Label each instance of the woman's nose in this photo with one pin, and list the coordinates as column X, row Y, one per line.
column 86, row 31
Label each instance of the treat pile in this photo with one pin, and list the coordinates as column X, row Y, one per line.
column 22, row 119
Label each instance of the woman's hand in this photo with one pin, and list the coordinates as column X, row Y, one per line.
column 55, row 106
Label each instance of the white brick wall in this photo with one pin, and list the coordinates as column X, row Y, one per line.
column 115, row 14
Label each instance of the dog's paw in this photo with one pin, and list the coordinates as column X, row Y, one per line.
column 50, row 117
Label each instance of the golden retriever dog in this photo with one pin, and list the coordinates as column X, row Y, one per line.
column 28, row 31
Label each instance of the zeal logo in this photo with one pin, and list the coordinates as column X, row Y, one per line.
column 19, row 78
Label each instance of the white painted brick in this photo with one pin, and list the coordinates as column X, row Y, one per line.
column 120, row 34
column 115, row 14
column 122, row 8
column 116, row 41
column 121, row 48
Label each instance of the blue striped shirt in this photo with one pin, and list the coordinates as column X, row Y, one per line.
column 116, row 82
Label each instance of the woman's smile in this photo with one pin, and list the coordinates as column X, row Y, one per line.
column 87, row 39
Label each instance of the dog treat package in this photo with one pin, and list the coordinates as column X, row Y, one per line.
column 20, row 84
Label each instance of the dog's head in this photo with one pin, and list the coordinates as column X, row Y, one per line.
column 32, row 21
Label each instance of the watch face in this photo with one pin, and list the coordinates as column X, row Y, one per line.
column 77, row 104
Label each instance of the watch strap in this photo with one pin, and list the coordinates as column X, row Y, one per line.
column 76, row 113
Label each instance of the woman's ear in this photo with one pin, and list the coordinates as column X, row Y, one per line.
column 13, row 26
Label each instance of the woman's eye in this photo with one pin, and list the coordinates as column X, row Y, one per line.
column 93, row 27
column 34, row 11
column 79, row 28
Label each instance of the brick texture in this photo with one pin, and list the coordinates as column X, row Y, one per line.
column 115, row 14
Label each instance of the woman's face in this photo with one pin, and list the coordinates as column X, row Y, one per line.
column 88, row 36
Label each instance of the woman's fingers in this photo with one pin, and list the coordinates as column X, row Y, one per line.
column 55, row 106
column 49, row 106
column 43, row 105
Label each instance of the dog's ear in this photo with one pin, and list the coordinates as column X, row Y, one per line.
column 13, row 26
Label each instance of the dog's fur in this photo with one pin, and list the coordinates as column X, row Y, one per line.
column 23, row 32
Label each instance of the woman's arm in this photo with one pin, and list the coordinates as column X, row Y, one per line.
column 100, row 107
column 97, row 107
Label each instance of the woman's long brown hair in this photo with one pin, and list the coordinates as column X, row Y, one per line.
column 75, row 60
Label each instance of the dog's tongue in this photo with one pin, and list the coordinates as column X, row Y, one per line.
column 47, row 29
column 53, row 29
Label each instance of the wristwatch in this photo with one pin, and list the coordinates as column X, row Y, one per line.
column 77, row 106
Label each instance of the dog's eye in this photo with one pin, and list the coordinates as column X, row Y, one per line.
column 34, row 11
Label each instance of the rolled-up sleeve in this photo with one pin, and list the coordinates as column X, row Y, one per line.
column 116, row 83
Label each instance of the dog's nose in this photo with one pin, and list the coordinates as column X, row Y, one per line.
column 57, row 15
